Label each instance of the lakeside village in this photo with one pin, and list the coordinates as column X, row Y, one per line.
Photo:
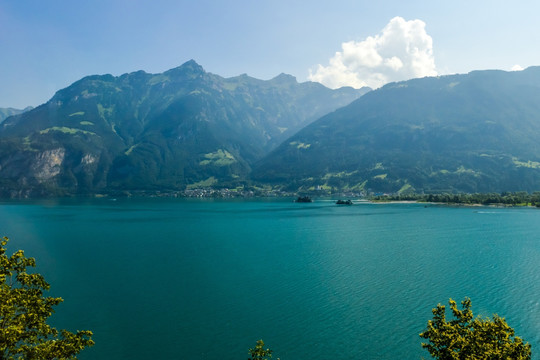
column 241, row 192
column 226, row 193
column 236, row 193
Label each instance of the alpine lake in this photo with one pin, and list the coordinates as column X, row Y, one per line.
column 158, row 278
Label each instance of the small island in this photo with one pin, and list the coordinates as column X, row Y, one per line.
column 303, row 199
column 344, row 202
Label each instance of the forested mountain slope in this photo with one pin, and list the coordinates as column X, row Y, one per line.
column 163, row 131
column 477, row 132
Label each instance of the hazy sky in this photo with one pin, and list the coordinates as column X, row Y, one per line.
column 47, row 45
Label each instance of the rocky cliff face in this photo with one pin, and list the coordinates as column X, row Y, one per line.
column 47, row 164
column 27, row 173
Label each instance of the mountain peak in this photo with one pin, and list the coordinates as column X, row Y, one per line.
column 190, row 68
column 284, row 78
column 192, row 64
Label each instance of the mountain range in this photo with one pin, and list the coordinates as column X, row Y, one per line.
column 138, row 131
column 187, row 128
column 477, row 132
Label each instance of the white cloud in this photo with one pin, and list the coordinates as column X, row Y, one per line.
column 403, row 50
column 517, row 68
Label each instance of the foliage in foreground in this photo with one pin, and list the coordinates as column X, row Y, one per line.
column 24, row 333
column 465, row 337
column 462, row 338
column 259, row 352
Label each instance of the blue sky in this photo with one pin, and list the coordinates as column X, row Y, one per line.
column 47, row 45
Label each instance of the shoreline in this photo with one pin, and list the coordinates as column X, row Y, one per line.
column 495, row 200
column 499, row 205
column 272, row 197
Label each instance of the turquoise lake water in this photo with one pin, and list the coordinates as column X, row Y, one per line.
column 205, row 279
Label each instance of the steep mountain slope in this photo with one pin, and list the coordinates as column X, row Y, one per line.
column 155, row 131
column 469, row 133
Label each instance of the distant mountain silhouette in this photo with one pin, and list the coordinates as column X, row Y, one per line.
column 7, row 112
